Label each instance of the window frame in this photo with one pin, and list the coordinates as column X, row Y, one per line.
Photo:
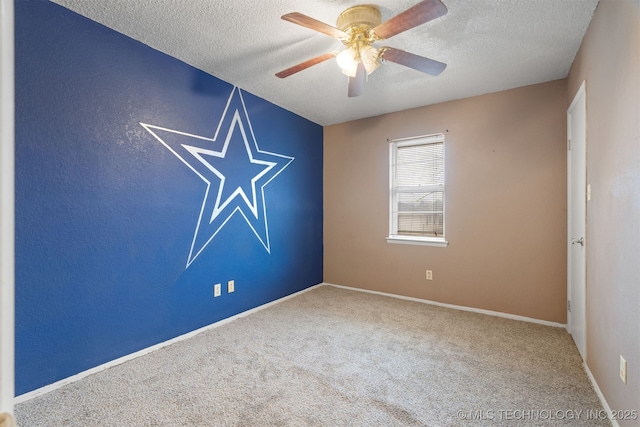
column 393, row 236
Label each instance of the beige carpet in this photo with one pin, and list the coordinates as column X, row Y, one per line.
column 334, row 357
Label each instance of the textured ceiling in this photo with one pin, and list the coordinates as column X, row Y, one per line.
column 489, row 45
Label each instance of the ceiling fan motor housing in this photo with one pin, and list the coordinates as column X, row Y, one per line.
column 359, row 16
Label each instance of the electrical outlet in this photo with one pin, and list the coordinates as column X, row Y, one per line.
column 217, row 290
column 623, row 369
column 231, row 285
column 429, row 275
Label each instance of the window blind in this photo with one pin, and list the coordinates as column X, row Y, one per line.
column 418, row 187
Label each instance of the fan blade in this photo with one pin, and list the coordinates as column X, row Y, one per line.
column 356, row 84
column 422, row 12
column 411, row 60
column 304, row 65
column 314, row 24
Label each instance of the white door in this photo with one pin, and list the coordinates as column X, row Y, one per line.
column 7, row 229
column 576, row 219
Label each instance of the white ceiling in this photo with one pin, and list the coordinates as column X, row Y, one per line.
column 489, row 45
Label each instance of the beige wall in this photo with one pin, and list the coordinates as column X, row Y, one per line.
column 609, row 61
column 505, row 202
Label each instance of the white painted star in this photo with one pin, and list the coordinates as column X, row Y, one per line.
column 236, row 173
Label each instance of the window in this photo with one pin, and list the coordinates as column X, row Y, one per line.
column 416, row 196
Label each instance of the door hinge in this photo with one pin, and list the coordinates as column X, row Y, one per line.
column 569, row 306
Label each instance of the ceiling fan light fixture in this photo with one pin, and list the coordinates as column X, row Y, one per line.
column 347, row 61
column 369, row 56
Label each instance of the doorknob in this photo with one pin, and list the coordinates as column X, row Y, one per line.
column 580, row 240
column 6, row 420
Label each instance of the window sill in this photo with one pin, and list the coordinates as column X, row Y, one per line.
column 410, row 240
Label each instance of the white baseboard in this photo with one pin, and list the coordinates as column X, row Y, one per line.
column 456, row 307
column 77, row 377
column 606, row 406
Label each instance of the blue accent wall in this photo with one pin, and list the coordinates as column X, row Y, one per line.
column 108, row 211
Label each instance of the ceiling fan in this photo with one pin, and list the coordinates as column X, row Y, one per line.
column 359, row 27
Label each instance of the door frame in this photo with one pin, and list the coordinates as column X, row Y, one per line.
column 580, row 94
column 7, row 211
